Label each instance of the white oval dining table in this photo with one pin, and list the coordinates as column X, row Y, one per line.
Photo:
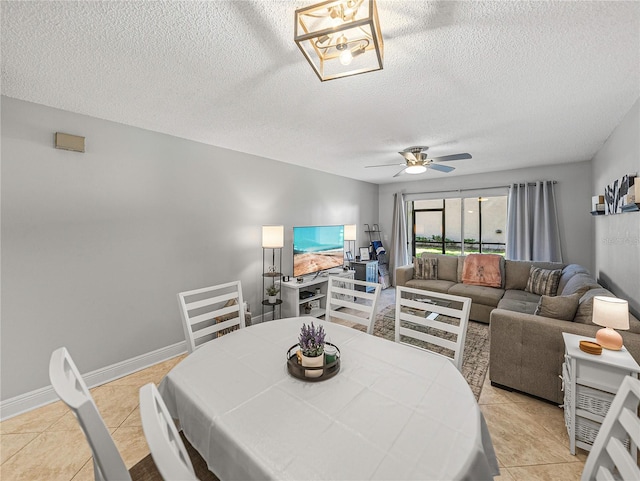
column 392, row 411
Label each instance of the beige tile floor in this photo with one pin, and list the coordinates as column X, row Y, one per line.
column 47, row 444
column 529, row 437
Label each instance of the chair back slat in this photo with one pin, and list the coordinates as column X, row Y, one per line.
column 346, row 302
column 210, row 301
column 614, row 451
column 224, row 311
column 167, row 449
column 430, row 320
column 72, row 390
column 210, row 312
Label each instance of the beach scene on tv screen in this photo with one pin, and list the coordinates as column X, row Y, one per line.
column 317, row 249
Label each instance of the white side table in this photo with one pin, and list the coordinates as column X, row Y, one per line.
column 590, row 384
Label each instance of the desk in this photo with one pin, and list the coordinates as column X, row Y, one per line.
column 392, row 412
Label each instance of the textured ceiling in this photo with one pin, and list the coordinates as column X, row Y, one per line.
column 514, row 83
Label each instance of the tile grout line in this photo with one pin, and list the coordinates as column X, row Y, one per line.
column 37, row 435
column 81, row 468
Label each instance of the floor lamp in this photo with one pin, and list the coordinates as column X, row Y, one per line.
column 350, row 236
column 273, row 239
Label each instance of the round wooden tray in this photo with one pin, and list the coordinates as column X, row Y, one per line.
column 591, row 347
column 298, row 370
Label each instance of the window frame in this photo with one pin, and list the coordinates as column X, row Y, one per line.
column 462, row 196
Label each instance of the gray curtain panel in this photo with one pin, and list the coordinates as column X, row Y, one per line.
column 532, row 223
column 399, row 256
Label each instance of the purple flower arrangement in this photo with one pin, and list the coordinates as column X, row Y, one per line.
column 311, row 340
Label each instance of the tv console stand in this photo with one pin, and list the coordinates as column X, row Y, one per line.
column 294, row 306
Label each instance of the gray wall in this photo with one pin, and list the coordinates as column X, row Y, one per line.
column 573, row 198
column 95, row 246
column 617, row 237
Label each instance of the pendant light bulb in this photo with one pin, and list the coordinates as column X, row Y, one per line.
column 346, row 57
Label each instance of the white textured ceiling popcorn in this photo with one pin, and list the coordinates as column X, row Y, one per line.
column 513, row 83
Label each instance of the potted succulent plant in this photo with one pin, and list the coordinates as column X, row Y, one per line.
column 272, row 292
column 311, row 342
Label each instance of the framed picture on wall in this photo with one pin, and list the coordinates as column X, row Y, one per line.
column 615, row 192
column 364, row 253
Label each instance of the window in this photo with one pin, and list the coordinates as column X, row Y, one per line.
column 458, row 226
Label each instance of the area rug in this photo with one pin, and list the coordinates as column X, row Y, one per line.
column 475, row 359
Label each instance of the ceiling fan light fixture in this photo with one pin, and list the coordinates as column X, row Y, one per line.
column 333, row 33
column 415, row 169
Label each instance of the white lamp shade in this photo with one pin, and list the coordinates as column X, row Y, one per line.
column 611, row 312
column 350, row 232
column 272, row 236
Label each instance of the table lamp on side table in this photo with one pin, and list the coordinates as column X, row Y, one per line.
column 612, row 313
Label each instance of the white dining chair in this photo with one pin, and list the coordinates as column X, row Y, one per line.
column 210, row 312
column 614, row 451
column 167, row 449
column 438, row 322
column 72, row 390
column 345, row 301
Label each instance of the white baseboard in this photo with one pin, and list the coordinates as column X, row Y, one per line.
column 268, row 316
column 46, row 395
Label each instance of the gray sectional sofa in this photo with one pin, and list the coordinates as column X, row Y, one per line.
column 527, row 350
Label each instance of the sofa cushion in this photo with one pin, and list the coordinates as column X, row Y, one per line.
column 568, row 272
column 579, row 283
column 517, row 272
column 447, row 266
column 482, row 270
column 488, row 296
column 634, row 324
column 558, row 307
column 584, row 315
column 430, row 285
column 521, row 296
column 543, row 281
column 518, row 305
column 425, row 268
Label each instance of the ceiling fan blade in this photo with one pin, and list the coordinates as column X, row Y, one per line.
column 401, row 172
column 410, row 156
column 441, row 168
column 383, row 165
column 451, row 157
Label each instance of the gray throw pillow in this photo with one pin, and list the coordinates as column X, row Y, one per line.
column 558, row 307
column 543, row 282
column 425, row 268
column 585, row 306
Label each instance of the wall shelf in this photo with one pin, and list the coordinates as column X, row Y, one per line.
column 625, row 209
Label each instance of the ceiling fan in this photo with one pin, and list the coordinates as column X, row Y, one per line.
column 416, row 161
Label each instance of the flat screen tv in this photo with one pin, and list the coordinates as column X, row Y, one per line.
column 317, row 248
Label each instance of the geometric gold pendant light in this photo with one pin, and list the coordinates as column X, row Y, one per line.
column 340, row 38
